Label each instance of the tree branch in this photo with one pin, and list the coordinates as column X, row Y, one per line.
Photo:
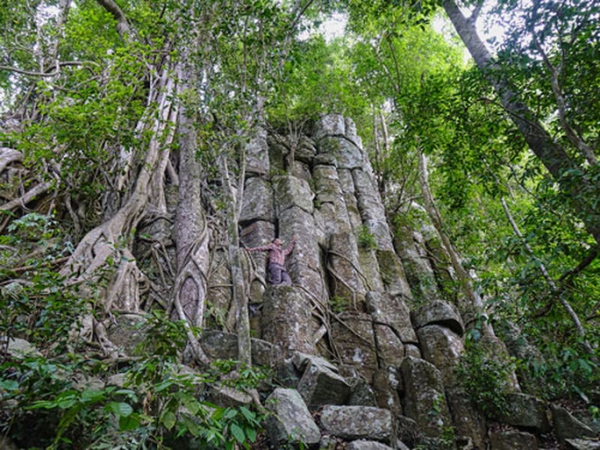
column 51, row 72
column 114, row 9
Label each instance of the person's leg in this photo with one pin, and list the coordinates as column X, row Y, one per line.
column 285, row 278
column 275, row 273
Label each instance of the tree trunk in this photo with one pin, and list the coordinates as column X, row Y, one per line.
column 191, row 231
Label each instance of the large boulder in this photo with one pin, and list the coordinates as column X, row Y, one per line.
column 371, row 209
column 424, row 400
column 385, row 385
column 257, row 154
column 221, row 345
column 512, row 440
column 327, row 184
column 306, row 252
column 525, row 412
column 419, row 273
column 392, row 273
column 390, row 349
column 442, row 348
column 290, row 420
column 355, row 342
column 357, row 422
column 439, row 313
column 305, row 150
column 320, row 385
column 568, row 427
column 346, row 280
column 329, row 125
column 346, row 153
column 351, row 132
column 362, row 393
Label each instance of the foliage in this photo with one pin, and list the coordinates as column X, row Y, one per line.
column 366, row 239
column 41, row 310
column 159, row 404
column 485, row 374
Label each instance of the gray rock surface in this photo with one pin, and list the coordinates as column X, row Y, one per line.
column 367, row 445
column 257, row 155
column 258, row 201
column 329, row 125
column 583, row 444
column 392, row 311
column 320, row 385
column 568, row 427
column 424, row 400
column 291, row 191
column 468, row 419
column 291, row 421
column 442, row 348
column 526, row 411
column 357, row 422
column 512, row 440
column 355, row 342
column 441, row 313
column 286, row 319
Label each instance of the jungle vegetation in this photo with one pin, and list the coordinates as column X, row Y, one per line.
column 108, row 107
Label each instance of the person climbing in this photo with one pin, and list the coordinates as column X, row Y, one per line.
column 277, row 254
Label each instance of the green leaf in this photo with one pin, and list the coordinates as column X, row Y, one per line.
column 168, row 419
column 249, row 415
column 191, row 403
column 128, row 423
column 9, row 385
column 230, row 413
column 237, row 432
column 120, row 409
column 251, row 433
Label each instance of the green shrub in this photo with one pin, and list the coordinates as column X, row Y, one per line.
column 486, row 375
column 366, row 239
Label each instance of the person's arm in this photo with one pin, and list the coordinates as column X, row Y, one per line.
column 290, row 246
column 262, row 248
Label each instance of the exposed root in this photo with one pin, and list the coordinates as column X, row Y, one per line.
column 30, row 195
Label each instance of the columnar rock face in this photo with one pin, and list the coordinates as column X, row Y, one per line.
column 371, row 318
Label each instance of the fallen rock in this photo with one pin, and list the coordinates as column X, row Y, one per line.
column 583, row 444
column 512, row 440
column 367, row 445
column 291, row 420
column 568, row 427
column 357, row 422
column 525, row 411
column 319, row 385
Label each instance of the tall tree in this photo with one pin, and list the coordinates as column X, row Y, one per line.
column 574, row 178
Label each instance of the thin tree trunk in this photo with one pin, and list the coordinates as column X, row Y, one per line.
column 495, row 345
column 556, row 291
column 240, row 300
column 466, row 283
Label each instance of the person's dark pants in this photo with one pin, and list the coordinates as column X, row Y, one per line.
column 278, row 275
